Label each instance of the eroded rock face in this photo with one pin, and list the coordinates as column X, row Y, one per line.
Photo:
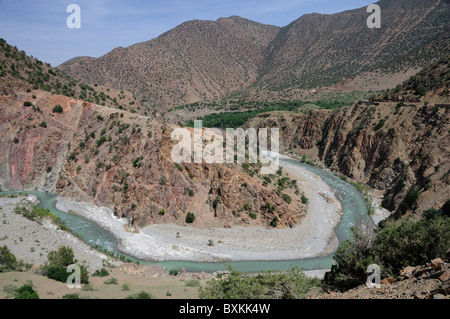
column 396, row 149
column 123, row 161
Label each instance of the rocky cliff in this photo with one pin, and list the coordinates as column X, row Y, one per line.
column 400, row 144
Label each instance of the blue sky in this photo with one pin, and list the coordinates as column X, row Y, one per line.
column 39, row 27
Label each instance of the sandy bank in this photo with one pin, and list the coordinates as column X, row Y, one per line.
column 312, row 238
column 31, row 241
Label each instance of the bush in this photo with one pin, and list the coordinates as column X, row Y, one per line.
column 27, row 104
column 274, row 222
column 190, row 218
column 57, row 109
column 58, row 261
column 111, row 281
column 174, row 272
column 305, row 199
column 7, row 260
column 292, row 284
column 396, row 246
column 27, row 292
column 101, row 273
column 43, row 124
column 192, row 283
column 287, row 198
column 63, row 256
column 141, row 295
column 408, row 203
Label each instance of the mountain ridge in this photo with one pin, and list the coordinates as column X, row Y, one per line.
column 202, row 60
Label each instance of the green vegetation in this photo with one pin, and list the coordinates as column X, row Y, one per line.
column 274, row 222
column 27, row 292
column 305, row 199
column 408, row 203
column 141, row 295
column 27, row 104
column 292, row 284
column 58, row 261
column 190, row 218
column 8, row 261
column 286, row 198
column 174, row 272
column 111, row 281
column 57, row 109
column 101, row 273
column 395, row 246
column 192, row 283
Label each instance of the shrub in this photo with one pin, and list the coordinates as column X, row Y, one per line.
column 274, row 222
column 101, row 273
column 27, row 104
column 101, row 141
column 305, row 199
column 141, row 295
column 173, row 272
column 286, row 198
column 16, row 140
column 58, row 261
column 192, row 283
column 43, row 124
column 63, row 256
column 395, row 246
column 379, row 125
column 293, row 284
column 7, row 260
column 125, row 287
column 27, row 292
column 190, row 218
column 408, row 202
column 57, row 109
column 111, row 281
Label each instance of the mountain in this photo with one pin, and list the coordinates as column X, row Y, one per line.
column 21, row 72
column 206, row 60
column 198, row 60
column 117, row 158
column 398, row 143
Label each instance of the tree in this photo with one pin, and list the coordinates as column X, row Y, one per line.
column 63, row 256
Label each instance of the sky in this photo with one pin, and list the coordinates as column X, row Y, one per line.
column 40, row 29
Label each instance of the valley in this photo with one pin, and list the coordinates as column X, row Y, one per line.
column 88, row 177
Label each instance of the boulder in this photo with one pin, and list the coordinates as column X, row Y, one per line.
column 445, row 276
column 388, row 281
column 436, row 263
column 408, row 271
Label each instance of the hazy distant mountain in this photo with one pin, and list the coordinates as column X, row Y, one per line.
column 203, row 60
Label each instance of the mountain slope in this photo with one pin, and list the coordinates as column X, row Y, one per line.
column 198, row 60
column 121, row 160
column 205, row 60
column 399, row 145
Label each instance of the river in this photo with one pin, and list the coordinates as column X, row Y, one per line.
column 354, row 213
